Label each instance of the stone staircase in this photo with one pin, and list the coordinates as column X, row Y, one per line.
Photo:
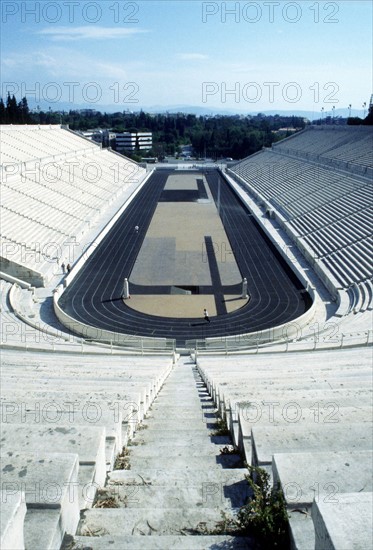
column 179, row 482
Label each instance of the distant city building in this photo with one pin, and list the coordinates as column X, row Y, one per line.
column 132, row 141
column 105, row 137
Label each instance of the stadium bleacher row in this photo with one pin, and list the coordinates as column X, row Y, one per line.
column 64, row 421
column 307, row 420
column 24, row 143
column 325, row 209
column 48, row 199
column 67, row 415
column 350, row 145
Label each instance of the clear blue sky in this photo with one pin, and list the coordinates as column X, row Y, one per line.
column 126, row 55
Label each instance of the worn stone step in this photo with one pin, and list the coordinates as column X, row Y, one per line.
column 179, row 438
column 181, row 408
column 149, row 432
column 290, row 412
column 187, row 462
column 169, row 413
column 47, row 409
column 345, row 523
column 269, row 440
column 165, row 542
column 52, row 417
column 50, row 484
column 183, row 393
column 12, row 517
column 50, row 536
column 53, row 404
column 176, row 478
column 87, row 442
column 303, row 398
column 174, row 424
column 147, row 521
column 183, row 397
column 306, row 477
column 186, row 450
column 202, row 495
column 301, row 528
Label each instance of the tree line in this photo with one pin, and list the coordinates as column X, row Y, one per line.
column 216, row 136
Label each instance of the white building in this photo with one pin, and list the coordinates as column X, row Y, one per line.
column 131, row 141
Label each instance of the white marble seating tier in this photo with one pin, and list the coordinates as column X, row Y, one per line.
column 49, row 482
column 12, row 516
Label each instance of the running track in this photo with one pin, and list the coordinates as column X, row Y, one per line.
column 94, row 296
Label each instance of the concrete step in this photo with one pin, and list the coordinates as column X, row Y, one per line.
column 165, row 542
column 147, row 521
column 12, row 517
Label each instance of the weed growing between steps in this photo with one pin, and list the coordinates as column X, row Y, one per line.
column 229, row 450
column 221, row 428
column 112, row 497
column 105, row 500
column 263, row 517
column 132, row 443
column 142, row 427
column 122, row 462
